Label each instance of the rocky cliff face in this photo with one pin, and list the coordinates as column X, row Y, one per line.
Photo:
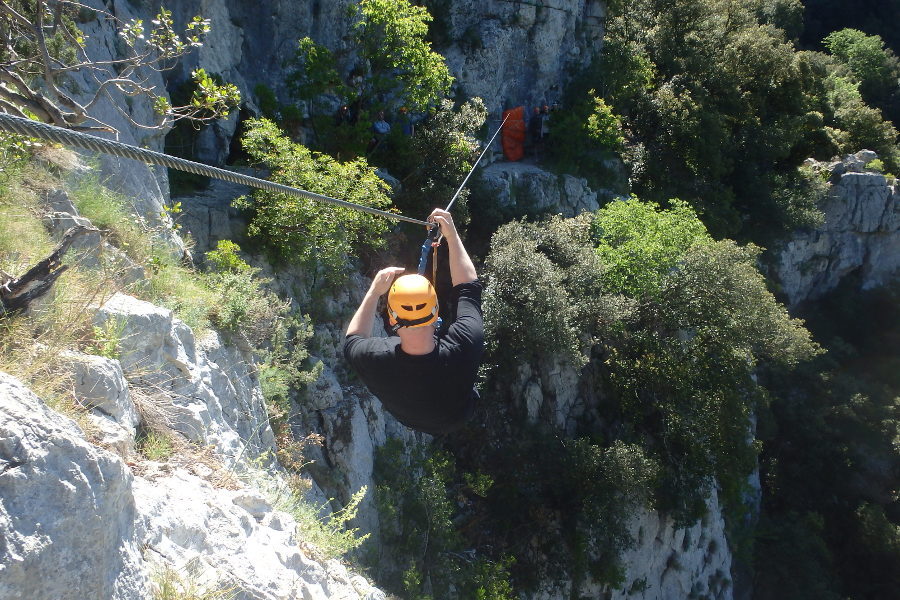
column 505, row 52
column 117, row 521
column 91, row 519
column 861, row 235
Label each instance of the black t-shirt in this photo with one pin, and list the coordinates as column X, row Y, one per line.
column 432, row 392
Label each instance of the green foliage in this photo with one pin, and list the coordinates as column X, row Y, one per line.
column 876, row 164
column 830, row 449
column 329, row 531
column 795, row 197
column 282, row 366
column 398, row 61
column 603, row 126
column 396, row 64
column 640, row 244
column 727, row 108
column 669, row 326
column 545, row 291
column 315, row 71
column 614, row 480
column 587, row 135
column 331, row 535
column 39, row 60
column 491, row 580
column 432, row 163
column 314, row 234
column 244, row 305
column 875, row 67
column 107, row 339
column 154, row 445
column 225, row 257
column 416, row 512
column 684, row 372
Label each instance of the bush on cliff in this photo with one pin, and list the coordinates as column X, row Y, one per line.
column 666, row 327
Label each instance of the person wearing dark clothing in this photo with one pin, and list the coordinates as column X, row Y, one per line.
column 534, row 132
column 342, row 115
column 423, row 377
column 380, row 129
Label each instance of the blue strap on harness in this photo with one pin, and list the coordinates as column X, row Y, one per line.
column 433, row 232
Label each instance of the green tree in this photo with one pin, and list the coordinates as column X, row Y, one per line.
column 727, row 108
column 669, row 324
column 395, row 58
column 433, row 162
column 317, row 235
column 875, row 67
column 641, row 244
column 394, row 63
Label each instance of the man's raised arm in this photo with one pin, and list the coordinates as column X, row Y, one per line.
column 462, row 270
column 361, row 323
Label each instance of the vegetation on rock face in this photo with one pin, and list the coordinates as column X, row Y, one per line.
column 392, row 66
column 719, row 108
column 674, row 344
column 306, row 231
column 45, row 45
column 830, row 459
column 665, row 328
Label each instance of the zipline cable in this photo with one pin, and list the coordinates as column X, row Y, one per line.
column 472, row 170
column 432, row 240
column 67, row 137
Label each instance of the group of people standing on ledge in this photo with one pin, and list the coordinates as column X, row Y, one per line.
column 381, row 127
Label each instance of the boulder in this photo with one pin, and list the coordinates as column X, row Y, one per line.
column 206, row 390
column 67, row 513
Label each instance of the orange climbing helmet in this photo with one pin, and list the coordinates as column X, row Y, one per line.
column 412, row 302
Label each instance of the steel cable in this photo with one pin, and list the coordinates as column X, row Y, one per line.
column 67, row 137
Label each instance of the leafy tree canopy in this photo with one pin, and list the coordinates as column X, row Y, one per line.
column 674, row 356
column 640, row 243
column 717, row 95
column 393, row 64
column 313, row 233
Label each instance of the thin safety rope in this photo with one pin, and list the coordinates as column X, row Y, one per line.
column 472, row 170
column 67, row 137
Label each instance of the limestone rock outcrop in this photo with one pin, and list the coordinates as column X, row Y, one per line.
column 527, row 188
column 209, row 390
column 67, row 512
column 78, row 521
column 861, row 235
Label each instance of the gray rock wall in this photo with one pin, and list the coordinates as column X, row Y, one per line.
column 861, row 235
column 67, row 512
column 78, row 521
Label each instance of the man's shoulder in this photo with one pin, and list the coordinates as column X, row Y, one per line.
column 469, row 289
column 356, row 346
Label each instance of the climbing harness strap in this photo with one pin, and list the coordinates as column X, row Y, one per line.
column 408, row 322
column 67, row 137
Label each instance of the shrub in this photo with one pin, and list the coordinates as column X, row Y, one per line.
column 244, row 305
column 327, row 530
column 433, row 163
column 317, row 235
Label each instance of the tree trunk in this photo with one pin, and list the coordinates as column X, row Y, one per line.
column 17, row 294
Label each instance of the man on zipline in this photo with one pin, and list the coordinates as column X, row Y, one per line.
column 422, row 377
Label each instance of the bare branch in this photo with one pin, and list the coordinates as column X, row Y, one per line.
column 9, row 10
column 17, row 294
